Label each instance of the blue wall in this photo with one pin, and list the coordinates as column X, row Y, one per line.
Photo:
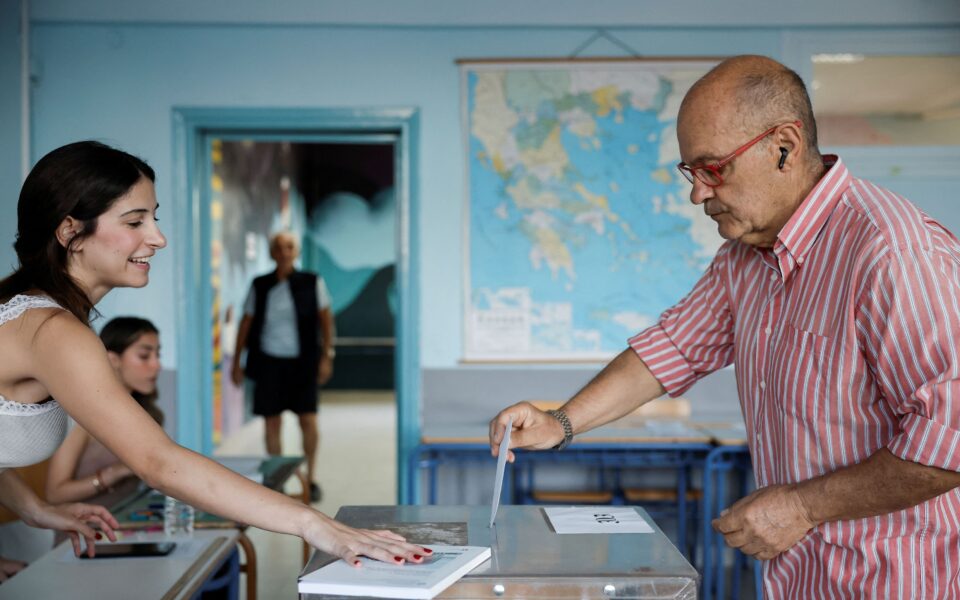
column 10, row 120
column 119, row 83
column 115, row 70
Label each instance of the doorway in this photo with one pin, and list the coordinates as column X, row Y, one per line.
column 302, row 187
column 336, row 195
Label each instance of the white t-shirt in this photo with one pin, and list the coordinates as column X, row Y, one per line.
column 279, row 337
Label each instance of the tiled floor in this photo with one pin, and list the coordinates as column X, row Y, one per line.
column 357, row 465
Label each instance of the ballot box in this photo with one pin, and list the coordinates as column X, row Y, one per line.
column 530, row 560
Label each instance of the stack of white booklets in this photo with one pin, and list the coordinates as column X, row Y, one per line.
column 421, row 581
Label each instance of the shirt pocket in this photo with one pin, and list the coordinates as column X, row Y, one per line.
column 805, row 342
column 803, row 377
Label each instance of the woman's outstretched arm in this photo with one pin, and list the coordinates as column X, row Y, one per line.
column 69, row 360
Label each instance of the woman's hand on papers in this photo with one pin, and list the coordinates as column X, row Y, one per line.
column 74, row 519
column 532, row 428
column 349, row 544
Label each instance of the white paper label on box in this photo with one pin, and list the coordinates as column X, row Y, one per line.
column 596, row 519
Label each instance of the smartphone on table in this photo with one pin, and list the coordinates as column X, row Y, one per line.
column 121, row 550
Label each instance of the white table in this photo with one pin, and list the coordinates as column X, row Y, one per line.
column 178, row 575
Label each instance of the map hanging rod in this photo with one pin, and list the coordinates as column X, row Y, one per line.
column 583, row 59
column 603, row 33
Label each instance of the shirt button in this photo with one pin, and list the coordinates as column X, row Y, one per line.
column 767, row 331
column 763, row 385
column 773, row 278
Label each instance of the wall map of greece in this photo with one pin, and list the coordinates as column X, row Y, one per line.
column 580, row 229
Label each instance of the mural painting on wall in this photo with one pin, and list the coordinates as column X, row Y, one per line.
column 338, row 199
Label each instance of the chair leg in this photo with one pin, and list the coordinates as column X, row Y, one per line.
column 250, row 565
column 758, row 578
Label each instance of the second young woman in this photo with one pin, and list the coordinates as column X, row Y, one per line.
column 83, row 468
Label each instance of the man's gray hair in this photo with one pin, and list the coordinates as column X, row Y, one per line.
column 275, row 237
column 773, row 97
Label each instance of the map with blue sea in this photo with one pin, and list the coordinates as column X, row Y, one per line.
column 580, row 228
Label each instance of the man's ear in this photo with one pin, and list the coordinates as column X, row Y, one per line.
column 67, row 230
column 789, row 144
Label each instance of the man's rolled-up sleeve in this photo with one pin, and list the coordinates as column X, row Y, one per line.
column 694, row 337
column 909, row 325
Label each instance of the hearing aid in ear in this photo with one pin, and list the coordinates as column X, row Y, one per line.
column 783, row 157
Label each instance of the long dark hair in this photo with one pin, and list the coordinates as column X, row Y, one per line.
column 80, row 180
column 118, row 335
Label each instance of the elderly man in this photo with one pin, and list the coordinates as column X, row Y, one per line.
column 839, row 304
column 287, row 329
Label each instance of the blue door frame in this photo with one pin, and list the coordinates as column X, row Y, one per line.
column 191, row 127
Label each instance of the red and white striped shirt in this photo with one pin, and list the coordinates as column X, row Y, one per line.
column 845, row 338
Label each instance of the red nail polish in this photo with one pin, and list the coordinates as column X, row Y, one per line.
column 417, row 557
column 398, row 558
column 427, row 551
column 99, row 536
column 356, row 563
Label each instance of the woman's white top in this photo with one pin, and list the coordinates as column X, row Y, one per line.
column 29, row 433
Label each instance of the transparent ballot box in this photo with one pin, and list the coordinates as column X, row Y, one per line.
column 529, row 560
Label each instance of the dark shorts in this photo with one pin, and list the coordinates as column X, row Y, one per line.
column 281, row 386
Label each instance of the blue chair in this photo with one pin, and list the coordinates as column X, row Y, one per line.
column 224, row 584
column 724, row 466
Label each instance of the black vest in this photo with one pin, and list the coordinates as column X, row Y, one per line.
column 303, row 287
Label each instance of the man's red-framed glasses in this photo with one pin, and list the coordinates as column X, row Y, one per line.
column 709, row 174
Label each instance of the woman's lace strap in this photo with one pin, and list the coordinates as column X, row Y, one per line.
column 21, row 303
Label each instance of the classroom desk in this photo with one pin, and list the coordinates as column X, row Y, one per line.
column 60, row 575
column 628, row 443
column 530, row 561
column 276, row 470
column 141, row 509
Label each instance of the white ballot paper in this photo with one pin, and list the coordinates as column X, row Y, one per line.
column 501, row 466
column 596, row 519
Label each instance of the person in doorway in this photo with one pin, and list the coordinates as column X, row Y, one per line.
column 838, row 303
column 83, row 468
column 287, row 331
column 87, row 223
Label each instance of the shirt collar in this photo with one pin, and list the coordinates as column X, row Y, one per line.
column 802, row 230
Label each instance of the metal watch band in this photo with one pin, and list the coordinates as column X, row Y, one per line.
column 561, row 416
